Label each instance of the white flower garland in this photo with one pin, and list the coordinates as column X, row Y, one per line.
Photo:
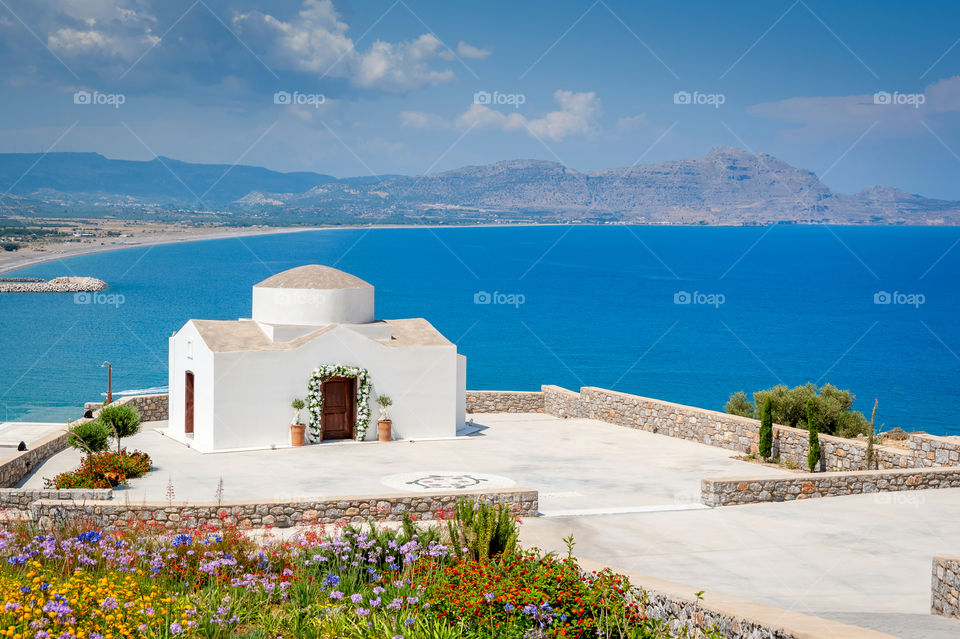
column 315, row 397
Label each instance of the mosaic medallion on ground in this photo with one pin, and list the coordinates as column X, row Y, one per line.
column 446, row 480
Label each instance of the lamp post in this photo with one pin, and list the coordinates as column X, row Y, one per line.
column 109, row 381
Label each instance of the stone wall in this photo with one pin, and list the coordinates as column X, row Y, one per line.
column 945, row 587
column 152, row 408
column 504, row 402
column 674, row 420
column 561, row 402
column 741, row 433
column 255, row 514
column 929, row 450
column 728, row 491
column 19, row 464
column 20, row 499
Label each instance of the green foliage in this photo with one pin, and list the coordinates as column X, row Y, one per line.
column 833, row 407
column 121, row 420
column 766, row 429
column 10, row 246
column 739, row 405
column 479, row 531
column 297, row 404
column 90, row 437
column 813, row 456
column 384, row 400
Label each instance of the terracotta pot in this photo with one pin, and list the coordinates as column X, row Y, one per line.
column 383, row 430
column 297, row 434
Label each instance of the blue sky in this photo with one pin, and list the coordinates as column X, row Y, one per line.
column 589, row 84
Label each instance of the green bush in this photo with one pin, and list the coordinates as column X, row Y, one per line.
column 766, row 429
column 120, row 420
column 835, row 415
column 103, row 470
column 813, row 456
column 479, row 531
column 739, row 405
column 90, row 437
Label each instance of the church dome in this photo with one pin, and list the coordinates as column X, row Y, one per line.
column 313, row 295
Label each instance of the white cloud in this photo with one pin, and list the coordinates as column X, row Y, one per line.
column 471, row 52
column 421, row 120
column 576, row 116
column 316, row 41
column 821, row 117
column 102, row 29
column 639, row 121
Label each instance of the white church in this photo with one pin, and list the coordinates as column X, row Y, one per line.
column 312, row 335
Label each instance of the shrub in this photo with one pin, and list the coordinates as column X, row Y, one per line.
column 788, row 406
column 103, row 470
column 479, row 531
column 120, row 420
column 813, row 456
column 739, row 405
column 766, row 429
column 90, row 437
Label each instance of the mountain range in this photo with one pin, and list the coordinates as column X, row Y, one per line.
column 726, row 186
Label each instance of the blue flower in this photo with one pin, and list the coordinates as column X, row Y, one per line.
column 182, row 540
column 331, row 580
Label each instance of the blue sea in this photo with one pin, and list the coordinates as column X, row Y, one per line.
column 685, row 314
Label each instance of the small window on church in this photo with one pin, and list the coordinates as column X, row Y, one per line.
column 189, row 349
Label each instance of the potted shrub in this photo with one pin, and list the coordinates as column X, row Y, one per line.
column 385, row 425
column 297, row 428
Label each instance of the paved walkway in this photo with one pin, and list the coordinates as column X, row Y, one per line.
column 631, row 499
column 577, row 465
column 863, row 559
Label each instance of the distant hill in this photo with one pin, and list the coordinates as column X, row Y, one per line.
column 726, row 186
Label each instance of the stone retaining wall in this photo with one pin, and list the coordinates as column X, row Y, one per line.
column 20, row 499
column 728, row 491
column 945, row 587
column 837, row 453
column 19, row 464
column 504, row 402
column 255, row 514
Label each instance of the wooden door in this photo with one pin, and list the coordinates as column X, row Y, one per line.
column 338, row 408
column 188, row 404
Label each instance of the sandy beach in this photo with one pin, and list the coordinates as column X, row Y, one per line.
column 10, row 261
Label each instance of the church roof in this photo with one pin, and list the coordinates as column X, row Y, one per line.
column 313, row 276
column 246, row 335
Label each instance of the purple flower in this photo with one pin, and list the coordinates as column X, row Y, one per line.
column 356, row 598
column 363, row 612
column 176, row 628
column 336, row 594
column 110, row 603
column 489, row 596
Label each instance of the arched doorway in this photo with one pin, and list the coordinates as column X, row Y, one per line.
column 188, row 403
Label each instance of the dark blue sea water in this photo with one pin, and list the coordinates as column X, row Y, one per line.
column 575, row 305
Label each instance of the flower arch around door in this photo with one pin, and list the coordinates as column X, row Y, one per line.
column 315, row 397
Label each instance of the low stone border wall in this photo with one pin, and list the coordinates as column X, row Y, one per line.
column 18, row 465
column 945, row 587
column 735, row 618
column 20, row 498
column 152, row 408
column 742, row 433
column 728, row 491
column 504, row 402
column 257, row 514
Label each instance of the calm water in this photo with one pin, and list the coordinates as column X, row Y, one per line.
column 591, row 306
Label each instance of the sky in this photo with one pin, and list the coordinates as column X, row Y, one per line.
column 860, row 93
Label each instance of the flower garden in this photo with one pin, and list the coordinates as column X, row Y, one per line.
column 467, row 579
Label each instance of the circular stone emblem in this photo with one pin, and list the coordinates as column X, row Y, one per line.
column 445, row 480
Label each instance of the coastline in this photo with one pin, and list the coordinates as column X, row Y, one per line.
column 21, row 259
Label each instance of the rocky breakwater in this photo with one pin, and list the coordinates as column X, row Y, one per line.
column 56, row 285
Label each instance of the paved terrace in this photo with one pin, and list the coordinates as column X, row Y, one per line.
column 631, row 499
